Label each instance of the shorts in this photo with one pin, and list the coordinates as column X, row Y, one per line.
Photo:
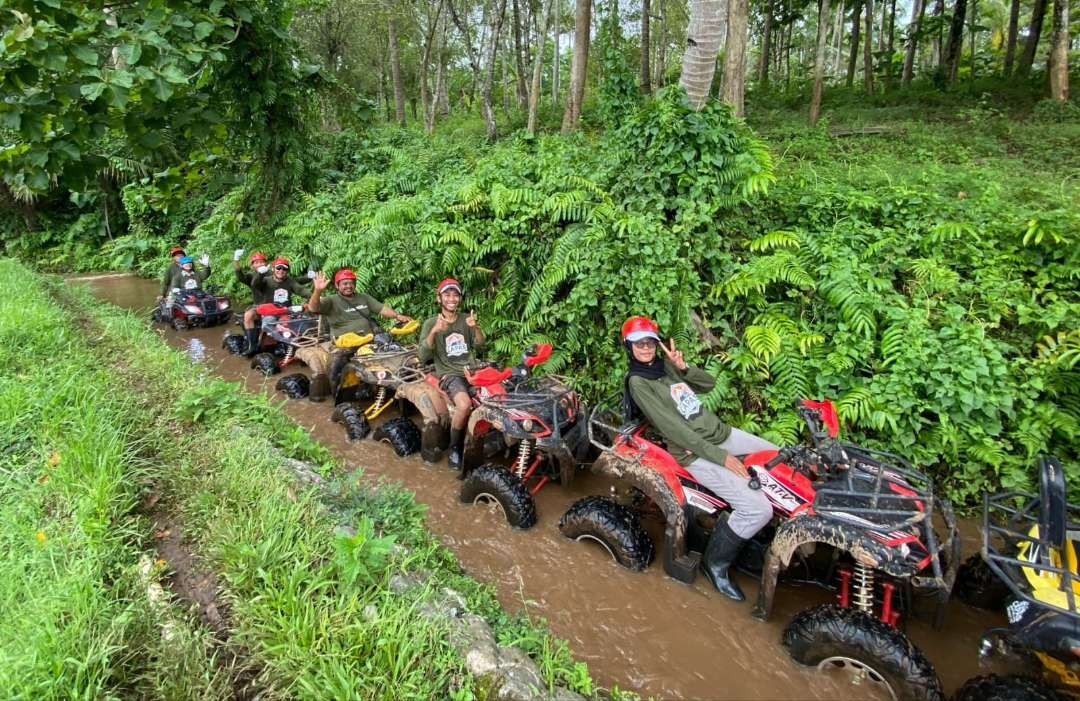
column 453, row 384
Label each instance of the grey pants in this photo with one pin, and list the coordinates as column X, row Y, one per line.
column 750, row 509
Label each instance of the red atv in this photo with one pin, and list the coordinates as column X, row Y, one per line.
column 184, row 309
column 283, row 330
column 534, row 423
column 858, row 521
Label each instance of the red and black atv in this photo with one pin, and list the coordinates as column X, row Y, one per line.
column 282, row 330
column 857, row 521
column 534, row 423
column 193, row 307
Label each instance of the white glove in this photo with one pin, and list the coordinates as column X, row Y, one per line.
column 204, row 259
column 237, row 254
column 263, row 269
column 311, row 274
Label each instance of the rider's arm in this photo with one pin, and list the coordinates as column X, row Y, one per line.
column 165, row 280
column 698, row 379
column 424, row 350
column 479, row 340
column 662, row 414
column 313, row 302
column 201, row 275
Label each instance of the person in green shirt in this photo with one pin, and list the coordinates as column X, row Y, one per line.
column 186, row 277
column 451, row 340
column 176, row 253
column 273, row 288
column 665, row 393
column 348, row 311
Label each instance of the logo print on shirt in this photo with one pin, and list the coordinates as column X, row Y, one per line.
column 191, row 284
column 455, row 345
column 281, row 295
column 686, row 402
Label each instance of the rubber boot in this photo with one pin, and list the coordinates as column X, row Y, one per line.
column 252, row 336
column 319, row 387
column 457, row 445
column 723, row 548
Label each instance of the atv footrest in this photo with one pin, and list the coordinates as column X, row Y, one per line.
column 683, row 568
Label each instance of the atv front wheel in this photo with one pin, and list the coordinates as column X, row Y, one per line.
column 179, row 324
column 494, row 483
column 265, row 363
column 402, row 435
column 614, row 526
column 978, row 586
column 843, row 639
column 1013, row 687
column 234, row 343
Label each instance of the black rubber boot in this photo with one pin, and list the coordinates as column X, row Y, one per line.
column 457, row 446
column 252, row 336
column 319, row 387
column 723, row 548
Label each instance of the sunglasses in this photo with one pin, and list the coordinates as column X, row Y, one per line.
column 281, row 267
column 644, row 343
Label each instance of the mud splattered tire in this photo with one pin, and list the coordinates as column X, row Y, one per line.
column 611, row 524
column 493, row 482
column 828, row 636
column 1008, row 688
column 179, row 324
column 234, row 343
column 295, row 386
column 402, row 435
column 978, row 586
column 265, row 363
column 356, row 424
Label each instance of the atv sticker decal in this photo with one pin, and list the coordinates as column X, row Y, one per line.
column 456, row 345
column 699, row 500
column 686, row 402
column 281, row 295
column 777, row 492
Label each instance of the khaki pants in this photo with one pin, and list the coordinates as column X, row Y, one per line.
column 316, row 357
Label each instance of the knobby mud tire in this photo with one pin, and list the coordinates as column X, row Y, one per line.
column 402, row 435
column 179, row 324
column 234, row 343
column 1013, row 687
column 356, row 424
column 295, row 386
column 265, row 363
column 498, row 483
column 615, row 526
column 828, row 631
column 978, row 586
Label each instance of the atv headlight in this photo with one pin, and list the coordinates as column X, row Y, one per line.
column 223, row 304
column 527, row 424
column 192, row 309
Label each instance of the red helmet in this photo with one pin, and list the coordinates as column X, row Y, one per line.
column 344, row 274
column 280, row 261
column 176, row 250
column 448, row 283
column 257, row 255
column 638, row 327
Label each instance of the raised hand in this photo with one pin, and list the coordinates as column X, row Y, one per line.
column 321, row 281
column 205, row 260
column 470, row 320
column 237, row 254
column 675, row 356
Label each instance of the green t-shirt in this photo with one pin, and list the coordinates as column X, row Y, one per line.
column 454, row 349
column 185, row 280
column 167, row 277
column 266, row 289
column 356, row 314
column 671, row 405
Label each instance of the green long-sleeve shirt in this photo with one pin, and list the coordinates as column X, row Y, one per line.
column 266, row 288
column 184, row 280
column 453, row 350
column 671, row 405
column 169, row 272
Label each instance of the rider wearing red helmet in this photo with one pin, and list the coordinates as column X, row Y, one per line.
column 276, row 288
column 348, row 311
column 664, row 391
column 451, row 340
column 176, row 253
column 256, row 266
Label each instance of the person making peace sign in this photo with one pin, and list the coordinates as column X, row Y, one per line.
column 665, row 393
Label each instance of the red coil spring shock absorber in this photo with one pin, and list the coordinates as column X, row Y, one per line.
column 844, row 595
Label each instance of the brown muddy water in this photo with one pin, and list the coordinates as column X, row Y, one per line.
column 641, row 631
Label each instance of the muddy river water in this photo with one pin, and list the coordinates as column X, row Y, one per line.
column 641, row 631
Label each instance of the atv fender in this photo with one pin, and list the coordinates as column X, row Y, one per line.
column 679, row 563
column 435, row 418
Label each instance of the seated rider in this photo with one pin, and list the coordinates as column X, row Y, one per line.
column 664, row 392
column 347, row 312
column 276, row 288
column 176, row 253
column 186, row 277
column 451, row 340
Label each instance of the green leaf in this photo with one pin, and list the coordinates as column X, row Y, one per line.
column 92, row 91
column 203, row 30
column 11, row 119
column 55, row 60
column 85, row 54
column 122, row 78
column 130, row 53
column 38, row 157
column 118, row 96
column 173, row 74
column 215, row 7
column 161, row 89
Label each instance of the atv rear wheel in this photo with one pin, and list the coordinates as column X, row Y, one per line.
column 356, row 424
column 234, row 343
column 833, row 638
column 295, row 386
column 614, row 526
column 1013, row 687
column 265, row 363
column 978, row 586
column 402, row 435
column 179, row 324
column 494, row 483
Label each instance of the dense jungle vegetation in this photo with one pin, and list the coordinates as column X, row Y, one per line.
column 813, row 200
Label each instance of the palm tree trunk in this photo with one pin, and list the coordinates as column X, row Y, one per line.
column 819, row 61
column 705, row 31
column 733, row 86
column 1058, row 63
column 579, row 64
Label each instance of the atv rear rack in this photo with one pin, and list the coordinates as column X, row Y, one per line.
column 303, row 331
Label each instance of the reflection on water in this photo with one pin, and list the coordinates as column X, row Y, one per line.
column 195, row 350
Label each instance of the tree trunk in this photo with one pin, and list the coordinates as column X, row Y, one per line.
column 1010, row 37
column 881, row 27
column 519, row 59
column 442, row 94
column 491, row 51
column 470, row 48
column 1058, row 63
column 427, row 100
column 1038, row 12
column 538, row 66
column 913, row 42
column 890, row 46
column 951, row 59
column 973, row 14
column 935, row 48
column 766, row 45
column 868, row 50
column 819, row 61
column 555, row 62
column 705, row 31
column 838, row 35
column 733, row 87
column 856, row 14
column 645, row 75
column 395, row 72
column 579, row 64
column 660, row 64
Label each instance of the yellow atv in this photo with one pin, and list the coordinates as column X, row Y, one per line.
column 1030, row 544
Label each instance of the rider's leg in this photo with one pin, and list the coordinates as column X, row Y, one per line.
column 742, row 443
column 251, row 331
column 338, row 359
column 317, row 358
column 751, row 511
column 458, row 391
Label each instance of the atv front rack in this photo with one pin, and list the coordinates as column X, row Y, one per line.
column 300, row 331
column 1023, row 521
column 537, row 395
